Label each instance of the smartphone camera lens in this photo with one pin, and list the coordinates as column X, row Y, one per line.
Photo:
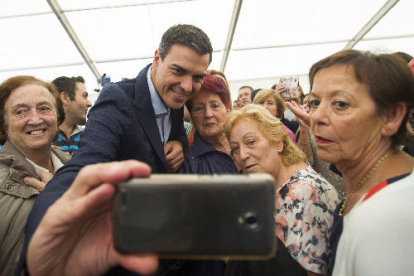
column 250, row 219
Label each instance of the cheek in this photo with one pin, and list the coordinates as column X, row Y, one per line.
column 197, row 120
column 51, row 119
column 222, row 119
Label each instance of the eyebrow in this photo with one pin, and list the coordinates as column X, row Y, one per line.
column 185, row 71
column 179, row 67
column 26, row 105
column 246, row 135
column 334, row 93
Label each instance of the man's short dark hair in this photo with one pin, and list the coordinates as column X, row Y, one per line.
column 68, row 85
column 186, row 35
column 246, row 86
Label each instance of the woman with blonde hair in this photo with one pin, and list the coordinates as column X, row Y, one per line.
column 304, row 200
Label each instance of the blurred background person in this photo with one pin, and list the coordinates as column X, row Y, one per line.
column 305, row 201
column 288, row 118
column 236, row 105
column 30, row 112
column 75, row 101
column 245, row 95
column 254, row 93
column 359, row 107
column 271, row 100
column 409, row 146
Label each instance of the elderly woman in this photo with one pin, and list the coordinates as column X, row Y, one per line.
column 304, row 200
column 359, row 106
column 209, row 151
column 30, row 112
column 271, row 100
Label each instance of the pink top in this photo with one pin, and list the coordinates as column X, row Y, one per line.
column 290, row 133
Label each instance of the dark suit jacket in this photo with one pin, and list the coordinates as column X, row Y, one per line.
column 121, row 126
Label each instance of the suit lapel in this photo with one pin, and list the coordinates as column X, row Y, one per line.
column 146, row 115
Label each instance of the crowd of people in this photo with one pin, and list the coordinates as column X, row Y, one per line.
column 339, row 156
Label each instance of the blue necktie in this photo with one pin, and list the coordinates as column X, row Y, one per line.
column 162, row 116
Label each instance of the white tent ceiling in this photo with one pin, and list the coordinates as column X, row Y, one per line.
column 255, row 41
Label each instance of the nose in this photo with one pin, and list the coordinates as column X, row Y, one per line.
column 187, row 84
column 243, row 154
column 35, row 118
column 88, row 103
column 208, row 111
column 319, row 116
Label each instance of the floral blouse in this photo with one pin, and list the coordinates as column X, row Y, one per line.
column 305, row 205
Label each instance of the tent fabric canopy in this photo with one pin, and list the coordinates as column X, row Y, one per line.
column 255, row 42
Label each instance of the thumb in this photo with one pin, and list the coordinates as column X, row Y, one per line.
column 33, row 182
column 45, row 176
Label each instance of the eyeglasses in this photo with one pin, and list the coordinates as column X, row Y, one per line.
column 200, row 109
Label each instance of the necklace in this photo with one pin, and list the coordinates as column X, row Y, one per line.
column 363, row 180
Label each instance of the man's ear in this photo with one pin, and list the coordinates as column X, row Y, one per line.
column 157, row 58
column 393, row 119
column 64, row 97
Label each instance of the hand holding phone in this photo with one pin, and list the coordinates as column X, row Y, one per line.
column 196, row 216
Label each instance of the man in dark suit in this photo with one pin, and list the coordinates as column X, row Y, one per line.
column 139, row 119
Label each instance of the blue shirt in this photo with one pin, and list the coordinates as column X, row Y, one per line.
column 162, row 112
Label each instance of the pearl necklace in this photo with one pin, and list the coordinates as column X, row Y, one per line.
column 363, row 180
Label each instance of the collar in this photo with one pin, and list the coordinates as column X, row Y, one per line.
column 157, row 104
column 55, row 160
column 75, row 131
column 201, row 146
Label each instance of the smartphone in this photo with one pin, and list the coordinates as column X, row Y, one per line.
column 291, row 84
column 196, row 216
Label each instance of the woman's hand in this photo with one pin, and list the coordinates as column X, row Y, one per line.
column 38, row 184
column 75, row 235
column 301, row 116
column 280, row 87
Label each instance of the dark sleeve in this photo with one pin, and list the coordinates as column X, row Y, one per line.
column 177, row 128
column 108, row 121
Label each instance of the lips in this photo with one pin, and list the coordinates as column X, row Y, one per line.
column 249, row 167
column 322, row 140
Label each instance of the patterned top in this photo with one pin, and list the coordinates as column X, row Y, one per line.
column 305, row 205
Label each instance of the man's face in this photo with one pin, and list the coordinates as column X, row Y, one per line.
column 78, row 108
column 179, row 75
column 245, row 96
